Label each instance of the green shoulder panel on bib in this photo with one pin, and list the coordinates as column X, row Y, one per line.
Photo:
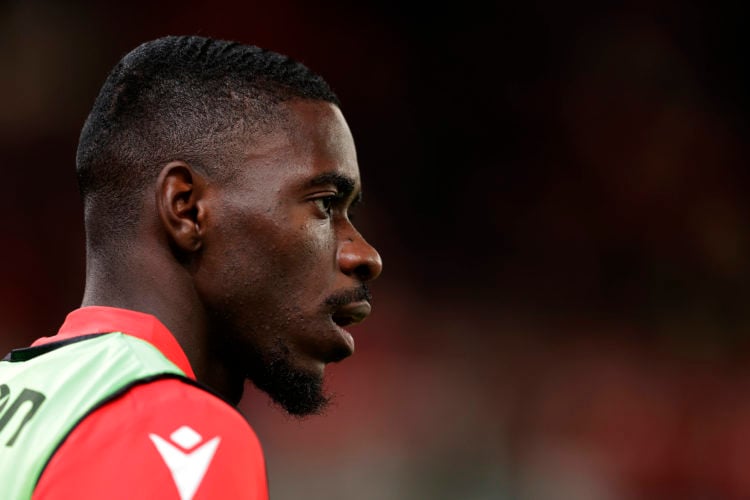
column 42, row 399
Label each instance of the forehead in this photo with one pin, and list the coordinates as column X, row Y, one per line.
column 312, row 138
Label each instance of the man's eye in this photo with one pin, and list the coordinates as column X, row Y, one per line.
column 325, row 204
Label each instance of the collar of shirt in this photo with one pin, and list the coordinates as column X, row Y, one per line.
column 100, row 319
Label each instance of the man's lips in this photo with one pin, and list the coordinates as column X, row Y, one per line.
column 351, row 313
column 348, row 308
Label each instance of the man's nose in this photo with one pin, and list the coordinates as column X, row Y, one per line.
column 358, row 258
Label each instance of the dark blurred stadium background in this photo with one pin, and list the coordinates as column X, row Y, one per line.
column 558, row 191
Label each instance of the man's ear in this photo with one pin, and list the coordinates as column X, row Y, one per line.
column 179, row 190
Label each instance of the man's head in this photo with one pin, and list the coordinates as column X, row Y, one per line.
column 229, row 173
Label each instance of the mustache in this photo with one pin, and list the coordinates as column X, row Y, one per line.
column 362, row 292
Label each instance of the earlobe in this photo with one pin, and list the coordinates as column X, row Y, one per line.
column 178, row 201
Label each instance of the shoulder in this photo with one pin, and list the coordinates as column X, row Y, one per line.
column 166, row 438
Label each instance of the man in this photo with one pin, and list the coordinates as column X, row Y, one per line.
column 218, row 181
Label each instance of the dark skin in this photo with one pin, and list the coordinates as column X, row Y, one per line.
column 264, row 270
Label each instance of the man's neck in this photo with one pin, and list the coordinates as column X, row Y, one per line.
column 164, row 290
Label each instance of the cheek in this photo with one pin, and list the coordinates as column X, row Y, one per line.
column 309, row 252
column 267, row 255
column 287, row 256
column 235, row 261
column 319, row 238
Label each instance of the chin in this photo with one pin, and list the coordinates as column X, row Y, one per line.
column 298, row 391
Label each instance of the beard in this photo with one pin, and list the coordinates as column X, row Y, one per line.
column 299, row 393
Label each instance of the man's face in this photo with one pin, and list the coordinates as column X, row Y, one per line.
column 283, row 269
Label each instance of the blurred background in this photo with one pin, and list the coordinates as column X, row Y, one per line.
column 558, row 191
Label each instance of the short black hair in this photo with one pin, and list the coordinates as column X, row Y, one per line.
column 186, row 98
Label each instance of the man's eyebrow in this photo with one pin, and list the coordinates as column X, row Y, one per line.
column 345, row 185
